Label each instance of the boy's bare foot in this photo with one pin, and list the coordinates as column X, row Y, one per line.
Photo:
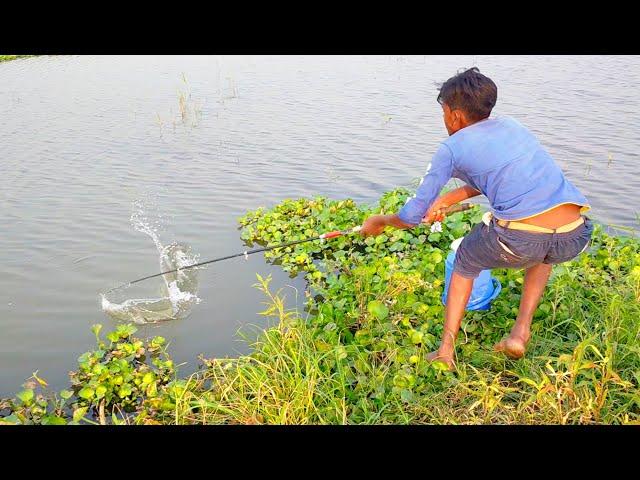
column 442, row 357
column 514, row 346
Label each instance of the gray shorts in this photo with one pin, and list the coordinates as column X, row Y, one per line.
column 484, row 248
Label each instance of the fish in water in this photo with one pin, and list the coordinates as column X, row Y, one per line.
column 178, row 294
column 178, row 289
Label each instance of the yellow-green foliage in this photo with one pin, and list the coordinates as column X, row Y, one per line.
column 6, row 58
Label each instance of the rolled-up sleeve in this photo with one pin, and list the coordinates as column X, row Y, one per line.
column 438, row 174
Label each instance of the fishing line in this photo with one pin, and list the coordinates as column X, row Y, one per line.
column 246, row 253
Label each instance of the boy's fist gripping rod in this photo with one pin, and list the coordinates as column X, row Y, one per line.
column 460, row 207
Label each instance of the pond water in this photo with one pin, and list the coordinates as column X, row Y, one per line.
column 199, row 140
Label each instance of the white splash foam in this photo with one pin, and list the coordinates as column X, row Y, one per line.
column 180, row 288
column 177, row 296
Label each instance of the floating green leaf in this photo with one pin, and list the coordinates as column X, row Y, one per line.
column 378, row 309
column 26, row 396
column 79, row 413
column 53, row 420
column 86, row 393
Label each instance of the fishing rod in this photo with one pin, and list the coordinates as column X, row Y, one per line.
column 336, row 233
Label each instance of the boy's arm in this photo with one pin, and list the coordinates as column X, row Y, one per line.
column 450, row 198
column 434, row 214
column 375, row 224
column 438, row 174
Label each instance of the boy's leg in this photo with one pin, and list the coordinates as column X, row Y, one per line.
column 471, row 256
column 480, row 250
column 535, row 280
column 457, row 299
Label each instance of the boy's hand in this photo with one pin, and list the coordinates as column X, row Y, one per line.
column 373, row 226
column 435, row 212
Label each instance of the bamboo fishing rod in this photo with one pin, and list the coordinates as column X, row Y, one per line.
column 461, row 207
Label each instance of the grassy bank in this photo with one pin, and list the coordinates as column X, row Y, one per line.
column 356, row 354
column 6, row 58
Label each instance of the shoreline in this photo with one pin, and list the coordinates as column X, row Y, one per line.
column 8, row 58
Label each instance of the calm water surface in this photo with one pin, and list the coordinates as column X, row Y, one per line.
column 82, row 138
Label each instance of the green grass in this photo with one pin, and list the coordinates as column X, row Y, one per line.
column 583, row 369
column 357, row 353
column 6, row 58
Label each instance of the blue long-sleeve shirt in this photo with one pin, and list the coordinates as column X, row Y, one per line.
column 503, row 160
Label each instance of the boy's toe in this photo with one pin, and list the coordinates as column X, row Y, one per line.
column 499, row 347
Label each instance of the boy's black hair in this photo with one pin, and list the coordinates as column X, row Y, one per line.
column 471, row 92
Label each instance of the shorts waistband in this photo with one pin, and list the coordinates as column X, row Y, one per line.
column 527, row 227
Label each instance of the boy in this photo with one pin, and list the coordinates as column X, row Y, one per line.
column 535, row 219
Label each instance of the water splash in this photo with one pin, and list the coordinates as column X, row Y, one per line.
column 178, row 290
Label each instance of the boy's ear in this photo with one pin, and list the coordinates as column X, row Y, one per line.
column 461, row 117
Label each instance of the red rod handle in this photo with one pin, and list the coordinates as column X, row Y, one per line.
column 335, row 233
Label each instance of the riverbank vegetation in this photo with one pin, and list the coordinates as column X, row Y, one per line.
column 356, row 353
column 6, row 58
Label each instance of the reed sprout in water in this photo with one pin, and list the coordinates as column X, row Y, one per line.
column 190, row 111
